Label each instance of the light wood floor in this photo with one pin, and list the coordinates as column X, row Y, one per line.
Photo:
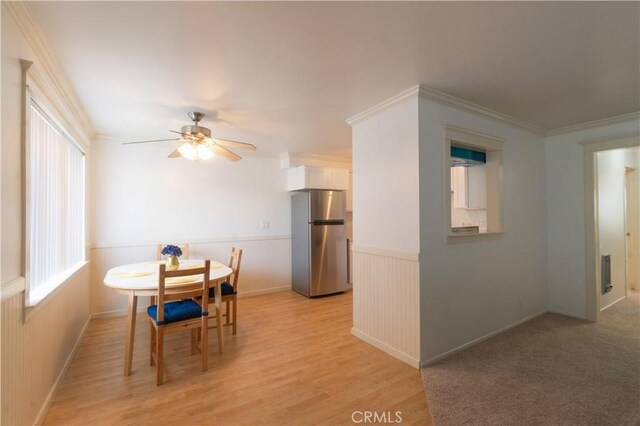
column 293, row 361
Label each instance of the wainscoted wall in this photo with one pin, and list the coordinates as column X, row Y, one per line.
column 36, row 352
column 386, row 229
column 386, row 301
column 266, row 266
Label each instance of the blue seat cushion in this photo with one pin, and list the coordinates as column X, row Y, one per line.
column 226, row 288
column 176, row 311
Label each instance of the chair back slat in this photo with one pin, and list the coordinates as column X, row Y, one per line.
column 234, row 263
column 205, row 290
column 161, row 280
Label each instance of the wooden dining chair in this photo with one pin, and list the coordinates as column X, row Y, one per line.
column 229, row 289
column 176, row 311
column 184, row 247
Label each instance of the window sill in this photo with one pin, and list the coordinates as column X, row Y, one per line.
column 465, row 238
column 32, row 306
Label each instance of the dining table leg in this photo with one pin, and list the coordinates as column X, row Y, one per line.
column 131, row 332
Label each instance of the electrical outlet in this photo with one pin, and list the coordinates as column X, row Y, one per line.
column 264, row 224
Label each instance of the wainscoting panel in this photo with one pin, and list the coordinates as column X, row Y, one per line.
column 386, row 301
column 35, row 353
column 266, row 266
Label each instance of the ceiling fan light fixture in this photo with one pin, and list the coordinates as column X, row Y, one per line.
column 204, row 153
column 195, row 151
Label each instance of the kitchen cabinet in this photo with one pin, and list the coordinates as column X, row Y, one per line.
column 469, row 187
column 310, row 177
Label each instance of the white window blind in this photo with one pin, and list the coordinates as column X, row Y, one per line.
column 55, row 206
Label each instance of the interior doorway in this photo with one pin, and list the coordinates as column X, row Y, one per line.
column 614, row 206
column 632, row 225
column 605, row 216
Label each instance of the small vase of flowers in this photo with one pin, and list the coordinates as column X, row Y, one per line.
column 172, row 253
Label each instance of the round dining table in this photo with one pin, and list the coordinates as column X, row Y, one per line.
column 141, row 279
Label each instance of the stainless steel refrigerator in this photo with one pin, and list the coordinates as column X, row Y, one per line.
column 319, row 242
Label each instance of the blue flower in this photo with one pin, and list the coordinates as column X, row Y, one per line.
column 172, row 250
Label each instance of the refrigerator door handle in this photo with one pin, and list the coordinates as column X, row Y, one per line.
column 328, row 222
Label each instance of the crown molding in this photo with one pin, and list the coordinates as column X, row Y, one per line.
column 595, row 123
column 48, row 71
column 442, row 98
column 461, row 104
column 383, row 105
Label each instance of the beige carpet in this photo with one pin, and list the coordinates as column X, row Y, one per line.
column 552, row 370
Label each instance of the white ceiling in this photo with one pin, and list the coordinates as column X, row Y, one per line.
column 285, row 76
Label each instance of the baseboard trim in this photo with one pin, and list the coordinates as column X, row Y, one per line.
column 613, row 303
column 63, row 372
column 564, row 314
column 252, row 293
column 116, row 313
column 415, row 363
column 478, row 340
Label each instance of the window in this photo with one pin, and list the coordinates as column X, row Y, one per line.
column 55, row 233
column 474, row 184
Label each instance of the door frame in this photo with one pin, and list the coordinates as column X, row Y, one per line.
column 627, row 172
column 591, row 148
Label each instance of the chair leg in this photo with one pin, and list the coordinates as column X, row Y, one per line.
column 204, row 347
column 159, row 355
column 219, row 324
column 235, row 312
column 152, row 345
column 228, row 320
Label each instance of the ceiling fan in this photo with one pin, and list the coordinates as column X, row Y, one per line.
column 198, row 143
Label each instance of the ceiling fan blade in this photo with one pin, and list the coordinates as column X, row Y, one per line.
column 149, row 141
column 234, row 144
column 175, row 154
column 175, row 131
column 225, row 153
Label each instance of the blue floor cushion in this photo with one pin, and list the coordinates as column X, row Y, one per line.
column 226, row 288
column 176, row 311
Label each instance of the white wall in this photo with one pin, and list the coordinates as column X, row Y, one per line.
column 472, row 289
column 36, row 348
column 566, row 267
column 141, row 197
column 385, row 179
column 611, row 215
column 13, row 46
column 386, row 241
